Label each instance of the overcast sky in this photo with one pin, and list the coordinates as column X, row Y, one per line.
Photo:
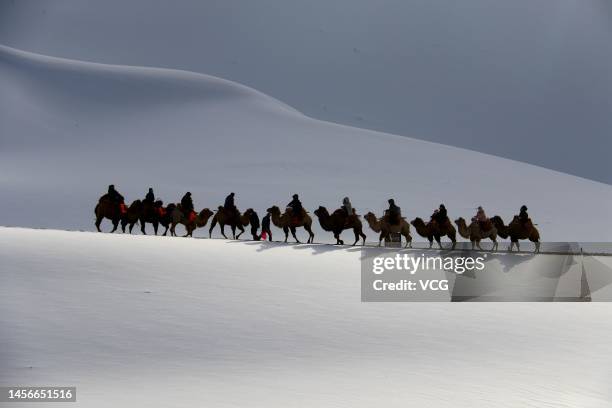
column 525, row 79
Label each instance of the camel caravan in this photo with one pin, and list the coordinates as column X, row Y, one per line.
column 391, row 226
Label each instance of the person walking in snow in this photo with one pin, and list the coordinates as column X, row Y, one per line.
column 265, row 228
column 254, row 221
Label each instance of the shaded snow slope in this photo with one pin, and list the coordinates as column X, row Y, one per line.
column 158, row 322
column 68, row 129
column 489, row 76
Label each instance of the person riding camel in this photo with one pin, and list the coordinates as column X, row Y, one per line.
column 114, row 195
column 523, row 216
column 482, row 219
column 440, row 215
column 394, row 212
column 150, row 197
column 296, row 206
column 187, row 206
column 347, row 207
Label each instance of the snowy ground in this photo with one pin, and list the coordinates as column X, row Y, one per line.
column 70, row 128
column 159, row 322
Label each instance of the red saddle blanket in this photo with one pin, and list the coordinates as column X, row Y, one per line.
column 192, row 216
column 123, row 208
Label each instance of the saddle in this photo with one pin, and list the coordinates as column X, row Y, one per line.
column 485, row 225
column 192, row 216
column 123, row 208
column 295, row 218
column 161, row 212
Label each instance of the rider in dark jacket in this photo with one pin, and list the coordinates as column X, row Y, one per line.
column 187, row 203
column 523, row 216
column 229, row 202
column 394, row 212
column 114, row 195
column 441, row 216
column 150, row 197
column 296, row 206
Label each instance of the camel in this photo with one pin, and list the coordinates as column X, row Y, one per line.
column 165, row 216
column 288, row 223
column 178, row 217
column 516, row 230
column 131, row 216
column 385, row 229
column 432, row 230
column 143, row 212
column 475, row 234
column 338, row 222
column 106, row 208
column 233, row 219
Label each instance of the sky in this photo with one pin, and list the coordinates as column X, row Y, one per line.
column 529, row 80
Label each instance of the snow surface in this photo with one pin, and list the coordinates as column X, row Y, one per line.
column 162, row 322
column 69, row 128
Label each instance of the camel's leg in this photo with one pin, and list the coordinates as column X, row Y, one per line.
column 131, row 227
column 115, row 225
column 473, row 244
column 518, row 246
column 478, row 245
column 142, row 226
column 166, row 231
column 240, row 233
column 123, row 225
column 430, row 239
column 155, row 226
column 408, row 241
column 453, row 239
column 98, row 222
column 223, row 230
column 212, row 226
column 537, row 246
column 494, row 245
column 294, row 236
column 286, row 231
column 438, row 241
column 310, row 233
column 380, row 238
column 356, row 236
column 363, row 237
column 173, row 229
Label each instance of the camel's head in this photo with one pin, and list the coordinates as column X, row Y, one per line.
column 460, row 221
column 417, row 222
column 370, row 217
column 321, row 211
column 249, row 212
column 274, row 210
column 205, row 213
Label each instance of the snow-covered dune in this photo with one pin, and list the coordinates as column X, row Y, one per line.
column 68, row 129
column 159, row 322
